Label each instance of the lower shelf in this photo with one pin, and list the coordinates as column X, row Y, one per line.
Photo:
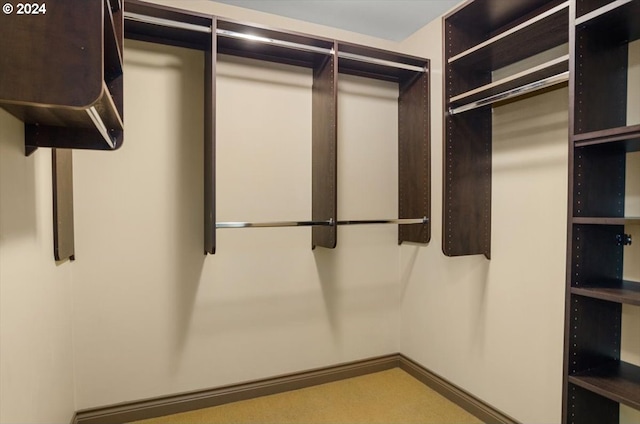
column 617, row 380
column 620, row 291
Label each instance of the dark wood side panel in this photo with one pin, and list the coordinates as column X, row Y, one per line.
column 585, row 407
column 595, row 329
column 324, row 152
column 63, row 234
column 467, row 184
column 414, row 159
column 596, row 255
column 599, row 181
column 601, row 69
column 210, row 145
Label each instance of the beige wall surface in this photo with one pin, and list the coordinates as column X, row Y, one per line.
column 36, row 350
column 495, row 327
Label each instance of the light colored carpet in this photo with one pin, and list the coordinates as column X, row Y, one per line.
column 391, row 396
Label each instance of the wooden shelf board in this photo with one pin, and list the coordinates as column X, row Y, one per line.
column 610, row 220
column 619, row 20
column 164, row 35
column 519, row 42
column 550, row 68
column 627, row 137
column 490, row 17
column 62, row 116
column 619, row 291
column 617, row 380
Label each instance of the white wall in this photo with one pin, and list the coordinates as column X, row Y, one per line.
column 495, row 328
column 36, row 354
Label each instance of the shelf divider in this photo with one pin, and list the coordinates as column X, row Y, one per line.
column 616, row 380
column 620, row 291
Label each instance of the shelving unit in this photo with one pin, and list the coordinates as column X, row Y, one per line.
column 62, row 74
column 482, row 37
column 596, row 380
column 327, row 58
column 65, row 73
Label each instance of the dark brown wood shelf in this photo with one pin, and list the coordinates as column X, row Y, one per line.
column 556, row 67
column 620, row 16
column 620, row 291
column 609, row 220
column 627, row 137
column 271, row 45
column 519, row 42
column 584, row 7
column 374, row 63
column 616, row 380
column 193, row 29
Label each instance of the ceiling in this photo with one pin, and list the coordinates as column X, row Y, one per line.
column 392, row 20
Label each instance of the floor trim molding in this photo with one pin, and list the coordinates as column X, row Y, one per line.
column 455, row 394
column 166, row 405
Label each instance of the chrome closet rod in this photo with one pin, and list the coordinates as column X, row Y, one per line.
column 326, row 223
column 100, row 126
column 382, row 62
column 267, row 40
column 515, row 92
column 422, row 220
column 166, row 22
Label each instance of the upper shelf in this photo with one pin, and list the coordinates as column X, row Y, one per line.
column 167, row 25
column 517, row 41
column 538, row 78
column 379, row 64
column 150, row 22
column 627, row 138
column 622, row 17
column 258, row 42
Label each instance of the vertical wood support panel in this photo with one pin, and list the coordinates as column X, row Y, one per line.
column 467, row 184
column 586, row 407
column 63, row 233
column 414, row 190
column 324, row 152
column 210, row 145
column 599, row 181
column 601, row 67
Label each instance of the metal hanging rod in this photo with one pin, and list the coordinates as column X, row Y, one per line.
column 267, row 40
column 273, row 224
column 382, row 62
column 422, row 220
column 515, row 92
column 272, row 41
column 326, row 223
column 99, row 124
column 166, row 22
